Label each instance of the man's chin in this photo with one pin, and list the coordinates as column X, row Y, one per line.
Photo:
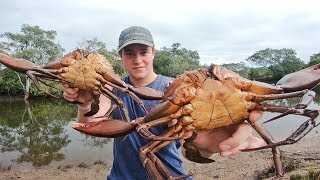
column 137, row 75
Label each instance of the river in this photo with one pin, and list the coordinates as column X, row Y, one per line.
column 41, row 136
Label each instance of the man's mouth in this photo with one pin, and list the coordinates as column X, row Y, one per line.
column 140, row 67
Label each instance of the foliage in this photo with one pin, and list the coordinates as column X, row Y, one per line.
column 39, row 46
column 94, row 45
column 240, row 68
column 116, row 63
column 175, row 60
column 270, row 56
column 279, row 62
column 9, row 83
column 32, row 43
column 260, row 73
column 286, row 67
column 314, row 59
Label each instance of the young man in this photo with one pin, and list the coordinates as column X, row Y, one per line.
column 137, row 52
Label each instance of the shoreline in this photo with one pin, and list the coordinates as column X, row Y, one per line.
column 243, row 166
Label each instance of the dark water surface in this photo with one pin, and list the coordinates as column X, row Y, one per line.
column 41, row 135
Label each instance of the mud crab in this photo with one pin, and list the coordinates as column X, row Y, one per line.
column 84, row 70
column 214, row 97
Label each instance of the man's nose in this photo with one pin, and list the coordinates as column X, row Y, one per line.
column 138, row 59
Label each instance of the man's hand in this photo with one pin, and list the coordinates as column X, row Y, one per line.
column 85, row 98
column 242, row 138
column 229, row 140
column 74, row 94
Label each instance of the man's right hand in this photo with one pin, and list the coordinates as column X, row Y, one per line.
column 85, row 99
column 75, row 95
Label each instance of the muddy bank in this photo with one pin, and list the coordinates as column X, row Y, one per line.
column 243, row 166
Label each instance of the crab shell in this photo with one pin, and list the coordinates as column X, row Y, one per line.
column 84, row 70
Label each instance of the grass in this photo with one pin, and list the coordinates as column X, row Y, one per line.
column 99, row 162
column 83, row 165
column 313, row 174
column 290, row 164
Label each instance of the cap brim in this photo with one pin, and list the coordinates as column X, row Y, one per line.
column 136, row 42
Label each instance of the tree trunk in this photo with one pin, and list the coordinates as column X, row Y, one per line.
column 27, row 89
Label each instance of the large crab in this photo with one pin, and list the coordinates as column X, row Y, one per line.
column 86, row 71
column 214, row 97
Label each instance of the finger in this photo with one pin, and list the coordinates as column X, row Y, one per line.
column 255, row 142
column 71, row 90
column 239, row 136
column 251, row 142
column 235, row 151
column 187, row 135
column 69, row 97
column 255, row 115
column 70, row 94
column 65, row 85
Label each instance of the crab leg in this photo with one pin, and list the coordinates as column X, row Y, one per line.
column 259, row 98
column 275, row 150
column 142, row 92
column 134, row 96
column 154, row 166
column 118, row 101
column 143, row 129
column 303, row 130
column 306, row 99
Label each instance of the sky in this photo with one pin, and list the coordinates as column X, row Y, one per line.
column 226, row 31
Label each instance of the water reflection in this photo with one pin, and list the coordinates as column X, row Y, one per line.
column 40, row 135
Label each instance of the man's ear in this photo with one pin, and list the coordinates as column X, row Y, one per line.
column 154, row 51
column 120, row 53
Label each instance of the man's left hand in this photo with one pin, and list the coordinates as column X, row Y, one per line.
column 229, row 140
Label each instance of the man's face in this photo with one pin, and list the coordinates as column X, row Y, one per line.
column 138, row 60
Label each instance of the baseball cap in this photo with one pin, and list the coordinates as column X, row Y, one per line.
column 135, row 35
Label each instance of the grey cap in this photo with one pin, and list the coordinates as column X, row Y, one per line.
column 135, row 35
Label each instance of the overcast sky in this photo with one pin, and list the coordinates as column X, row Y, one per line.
column 221, row 31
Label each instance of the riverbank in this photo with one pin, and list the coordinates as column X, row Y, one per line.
column 243, row 166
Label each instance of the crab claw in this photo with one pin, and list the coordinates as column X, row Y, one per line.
column 19, row 65
column 106, row 128
column 300, row 80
